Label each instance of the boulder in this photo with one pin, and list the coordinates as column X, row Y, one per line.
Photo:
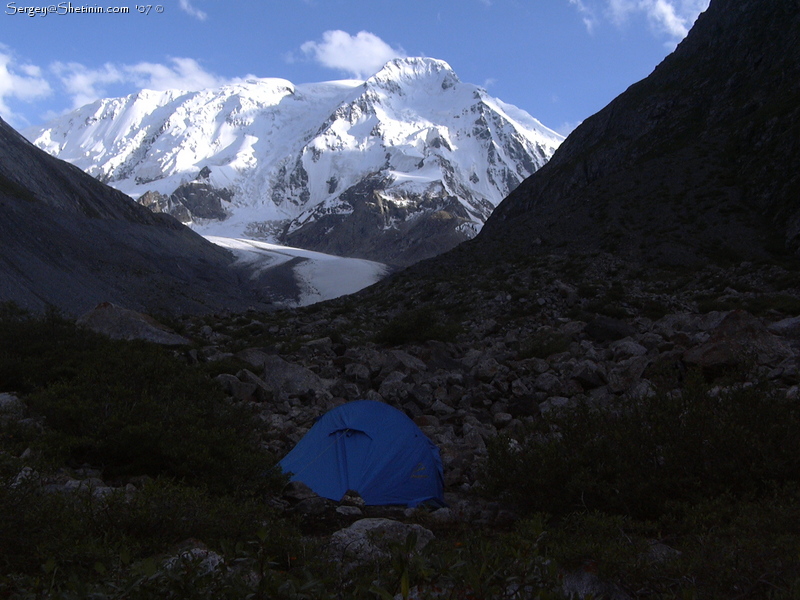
column 548, row 383
column 370, row 540
column 789, row 327
column 739, row 340
column 607, row 329
column 589, row 374
column 627, row 374
column 11, row 406
column 585, row 584
column 122, row 324
column 239, row 390
column 281, row 376
column 627, row 348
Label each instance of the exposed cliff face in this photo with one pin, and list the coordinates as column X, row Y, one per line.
column 698, row 159
column 69, row 241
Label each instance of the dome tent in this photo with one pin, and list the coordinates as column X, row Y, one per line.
column 372, row 448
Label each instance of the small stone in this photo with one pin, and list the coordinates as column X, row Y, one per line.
column 349, row 511
column 502, row 419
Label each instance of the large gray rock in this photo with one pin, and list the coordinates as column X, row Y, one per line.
column 740, row 339
column 284, row 377
column 607, row 329
column 122, row 324
column 370, row 540
column 11, row 406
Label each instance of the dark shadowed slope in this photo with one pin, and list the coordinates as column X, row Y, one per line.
column 699, row 160
column 69, row 241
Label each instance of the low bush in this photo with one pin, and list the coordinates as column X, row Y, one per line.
column 418, row 325
column 129, row 408
column 643, row 456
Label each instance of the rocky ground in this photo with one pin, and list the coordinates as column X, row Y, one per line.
column 469, row 358
column 506, row 351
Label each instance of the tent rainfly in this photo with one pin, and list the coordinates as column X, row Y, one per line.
column 371, row 448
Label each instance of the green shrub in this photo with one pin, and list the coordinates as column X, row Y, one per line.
column 130, row 408
column 642, row 456
column 418, row 325
column 544, row 344
column 99, row 542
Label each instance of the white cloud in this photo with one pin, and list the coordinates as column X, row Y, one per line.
column 84, row 84
column 184, row 74
column 587, row 14
column 672, row 18
column 360, row 55
column 20, row 82
column 79, row 84
column 187, row 7
column 568, row 127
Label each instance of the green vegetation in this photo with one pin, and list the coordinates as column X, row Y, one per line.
column 131, row 408
column 418, row 325
column 198, row 489
column 714, row 473
column 690, row 495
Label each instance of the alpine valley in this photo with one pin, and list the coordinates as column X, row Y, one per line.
column 397, row 168
column 610, row 369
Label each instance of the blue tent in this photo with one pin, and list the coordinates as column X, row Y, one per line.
column 371, row 448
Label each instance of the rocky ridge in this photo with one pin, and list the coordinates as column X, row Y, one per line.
column 71, row 242
column 695, row 162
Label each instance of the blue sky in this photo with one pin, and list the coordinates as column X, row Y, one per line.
column 560, row 60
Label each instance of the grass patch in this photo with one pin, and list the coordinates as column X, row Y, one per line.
column 130, row 408
column 638, row 458
column 418, row 325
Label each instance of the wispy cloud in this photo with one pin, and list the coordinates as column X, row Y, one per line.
column 360, row 55
column 182, row 74
column 568, row 127
column 19, row 81
column 587, row 14
column 187, row 7
column 671, row 18
column 74, row 84
column 85, row 84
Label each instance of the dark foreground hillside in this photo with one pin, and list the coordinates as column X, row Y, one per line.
column 71, row 242
column 700, row 161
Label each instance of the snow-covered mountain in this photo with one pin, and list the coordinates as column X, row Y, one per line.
column 396, row 168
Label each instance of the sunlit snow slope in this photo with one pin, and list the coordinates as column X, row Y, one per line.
column 380, row 168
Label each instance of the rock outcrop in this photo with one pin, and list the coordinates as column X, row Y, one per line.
column 696, row 162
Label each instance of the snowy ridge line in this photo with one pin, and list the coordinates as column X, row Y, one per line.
column 290, row 155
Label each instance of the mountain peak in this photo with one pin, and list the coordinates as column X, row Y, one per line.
column 406, row 70
column 411, row 146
